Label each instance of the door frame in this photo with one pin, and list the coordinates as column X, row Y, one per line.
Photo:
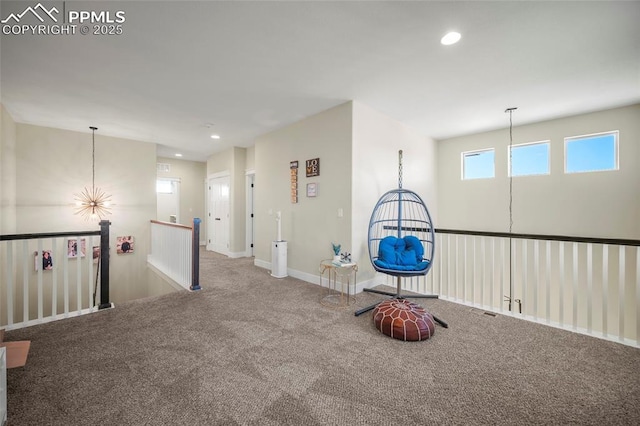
column 250, row 226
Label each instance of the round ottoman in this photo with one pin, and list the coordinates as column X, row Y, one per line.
column 403, row 320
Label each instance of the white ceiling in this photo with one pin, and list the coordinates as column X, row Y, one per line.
column 252, row 67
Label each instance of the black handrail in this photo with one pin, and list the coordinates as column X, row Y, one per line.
column 593, row 240
column 11, row 237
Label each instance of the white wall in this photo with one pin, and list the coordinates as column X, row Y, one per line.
column 377, row 139
column 602, row 204
column 311, row 225
column 251, row 158
column 192, row 175
column 53, row 165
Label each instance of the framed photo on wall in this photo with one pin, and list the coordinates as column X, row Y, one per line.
column 312, row 189
column 76, row 250
column 46, row 262
column 125, row 245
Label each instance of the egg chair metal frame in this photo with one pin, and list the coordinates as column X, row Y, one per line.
column 404, row 216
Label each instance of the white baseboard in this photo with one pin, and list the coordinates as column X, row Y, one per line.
column 262, row 263
column 315, row 279
column 236, row 255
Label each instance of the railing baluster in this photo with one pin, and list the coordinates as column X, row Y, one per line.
column 525, row 271
column 492, row 273
column 637, row 295
column 78, row 274
column 464, row 272
column 484, row 259
column 473, row 271
column 502, row 275
column 448, row 264
column 54, row 277
column 548, row 283
column 512, row 274
column 89, row 260
column 589, row 286
column 536, row 266
column 455, row 271
column 25, row 280
column 605, row 289
column 65, row 268
column 38, row 259
column 622, row 279
column 10, row 283
column 561, row 282
column 574, row 295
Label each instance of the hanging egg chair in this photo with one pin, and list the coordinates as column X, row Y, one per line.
column 401, row 239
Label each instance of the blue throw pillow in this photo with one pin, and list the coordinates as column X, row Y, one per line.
column 401, row 254
column 387, row 250
column 413, row 243
column 407, row 258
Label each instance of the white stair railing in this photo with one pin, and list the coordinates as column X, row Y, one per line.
column 51, row 276
column 585, row 285
column 174, row 252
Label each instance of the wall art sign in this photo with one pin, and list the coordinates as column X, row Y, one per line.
column 313, row 167
column 293, row 166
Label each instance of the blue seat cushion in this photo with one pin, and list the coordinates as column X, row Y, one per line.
column 401, row 254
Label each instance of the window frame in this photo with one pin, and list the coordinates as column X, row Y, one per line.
column 165, row 181
column 616, row 151
column 546, row 142
column 477, row 151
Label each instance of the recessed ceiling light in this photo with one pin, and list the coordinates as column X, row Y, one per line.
column 215, row 136
column 450, row 38
column 178, row 155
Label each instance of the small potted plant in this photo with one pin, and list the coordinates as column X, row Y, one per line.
column 336, row 252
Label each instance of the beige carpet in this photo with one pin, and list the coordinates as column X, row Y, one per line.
column 250, row 349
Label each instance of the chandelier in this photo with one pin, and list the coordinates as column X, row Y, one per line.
column 93, row 203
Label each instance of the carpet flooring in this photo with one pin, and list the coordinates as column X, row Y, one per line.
column 250, row 349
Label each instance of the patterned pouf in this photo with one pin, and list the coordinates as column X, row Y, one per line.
column 403, row 320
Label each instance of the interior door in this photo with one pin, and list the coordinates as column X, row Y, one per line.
column 218, row 239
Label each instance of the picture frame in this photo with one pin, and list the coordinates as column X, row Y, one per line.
column 313, row 167
column 45, row 262
column 75, row 250
column 125, row 245
column 312, row 189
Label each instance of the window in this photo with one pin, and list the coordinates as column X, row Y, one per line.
column 164, row 186
column 529, row 159
column 478, row 164
column 591, row 153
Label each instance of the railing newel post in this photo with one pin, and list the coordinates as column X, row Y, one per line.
column 104, row 265
column 195, row 258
